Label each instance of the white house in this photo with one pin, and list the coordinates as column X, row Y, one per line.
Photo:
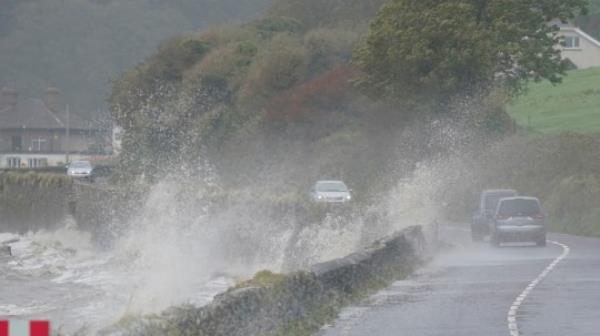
column 41, row 132
column 577, row 46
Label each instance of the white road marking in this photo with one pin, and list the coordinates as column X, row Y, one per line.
column 513, row 326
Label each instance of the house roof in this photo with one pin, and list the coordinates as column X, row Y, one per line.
column 567, row 27
column 34, row 114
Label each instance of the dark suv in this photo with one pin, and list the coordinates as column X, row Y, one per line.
column 518, row 219
column 484, row 216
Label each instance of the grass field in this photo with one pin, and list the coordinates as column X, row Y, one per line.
column 571, row 106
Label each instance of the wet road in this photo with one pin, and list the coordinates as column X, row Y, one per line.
column 475, row 289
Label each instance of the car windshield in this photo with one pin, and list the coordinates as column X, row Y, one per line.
column 331, row 187
column 80, row 164
column 492, row 199
column 519, row 207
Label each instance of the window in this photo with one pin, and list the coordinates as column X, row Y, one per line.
column 570, row 42
column 36, row 163
column 13, row 162
column 38, row 145
column 17, row 144
column 519, row 207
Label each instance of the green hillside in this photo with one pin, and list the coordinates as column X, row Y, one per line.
column 572, row 106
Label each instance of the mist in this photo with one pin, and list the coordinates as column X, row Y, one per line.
column 231, row 111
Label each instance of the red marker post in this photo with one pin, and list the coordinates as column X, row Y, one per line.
column 24, row 328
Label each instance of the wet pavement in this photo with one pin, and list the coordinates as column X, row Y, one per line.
column 470, row 289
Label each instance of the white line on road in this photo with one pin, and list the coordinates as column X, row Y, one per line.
column 513, row 327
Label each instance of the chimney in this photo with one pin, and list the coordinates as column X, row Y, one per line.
column 8, row 98
column 52, row 98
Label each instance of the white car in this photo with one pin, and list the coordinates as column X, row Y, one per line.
column 330, row 192
column 80, row 169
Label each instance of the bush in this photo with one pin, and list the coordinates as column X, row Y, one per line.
column 223, row 35
column 175, row 56
column 329, row 47
column 281, row 65
column 573, row 205
column 271, row 26
column 223, row 68
column 329, row 92
column 561, row 170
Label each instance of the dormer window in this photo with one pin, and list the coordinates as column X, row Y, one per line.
column 571, row 42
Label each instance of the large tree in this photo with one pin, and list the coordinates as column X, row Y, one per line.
column 591, row 23
column 433, row 50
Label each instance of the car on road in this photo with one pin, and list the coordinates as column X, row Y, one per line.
column 518, row 219
column 484, row 215
column 80, row 169
column 330, row 192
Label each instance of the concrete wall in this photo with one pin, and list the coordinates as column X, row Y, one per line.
column 35, row 201
column 30, row 202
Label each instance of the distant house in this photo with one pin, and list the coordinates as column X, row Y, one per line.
column 578, row 47
column 42, row 132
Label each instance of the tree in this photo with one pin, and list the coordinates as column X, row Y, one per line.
column 590, row 23
column 434, row 50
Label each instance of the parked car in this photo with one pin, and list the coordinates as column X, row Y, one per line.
column 484, row 215
column 518, row 219
column 80, row 169
column 330, row 192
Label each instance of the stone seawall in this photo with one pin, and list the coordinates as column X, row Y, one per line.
column 32, row 201
column 291, row 304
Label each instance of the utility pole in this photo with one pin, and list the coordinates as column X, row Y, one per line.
column 67, row 140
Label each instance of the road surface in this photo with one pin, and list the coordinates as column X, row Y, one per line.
column 475, row 289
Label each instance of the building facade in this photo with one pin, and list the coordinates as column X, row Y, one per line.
column 578, row 47
column 44, row 133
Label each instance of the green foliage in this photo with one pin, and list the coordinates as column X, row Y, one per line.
column 329, row 47
column 571, row 106
column 590, row 23
column 562, row 170
column 264, row 278
column 310, row 100
column 271, row 26
column 434, row 50
column 174, row 57
column 274, row 94
column 573, row 205
column 278, row 67
column 223, row 68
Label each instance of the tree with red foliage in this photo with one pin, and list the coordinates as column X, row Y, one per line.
column 330, row 91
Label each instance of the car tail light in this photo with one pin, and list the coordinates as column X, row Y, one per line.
column 501, row 217
column 538, row 216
